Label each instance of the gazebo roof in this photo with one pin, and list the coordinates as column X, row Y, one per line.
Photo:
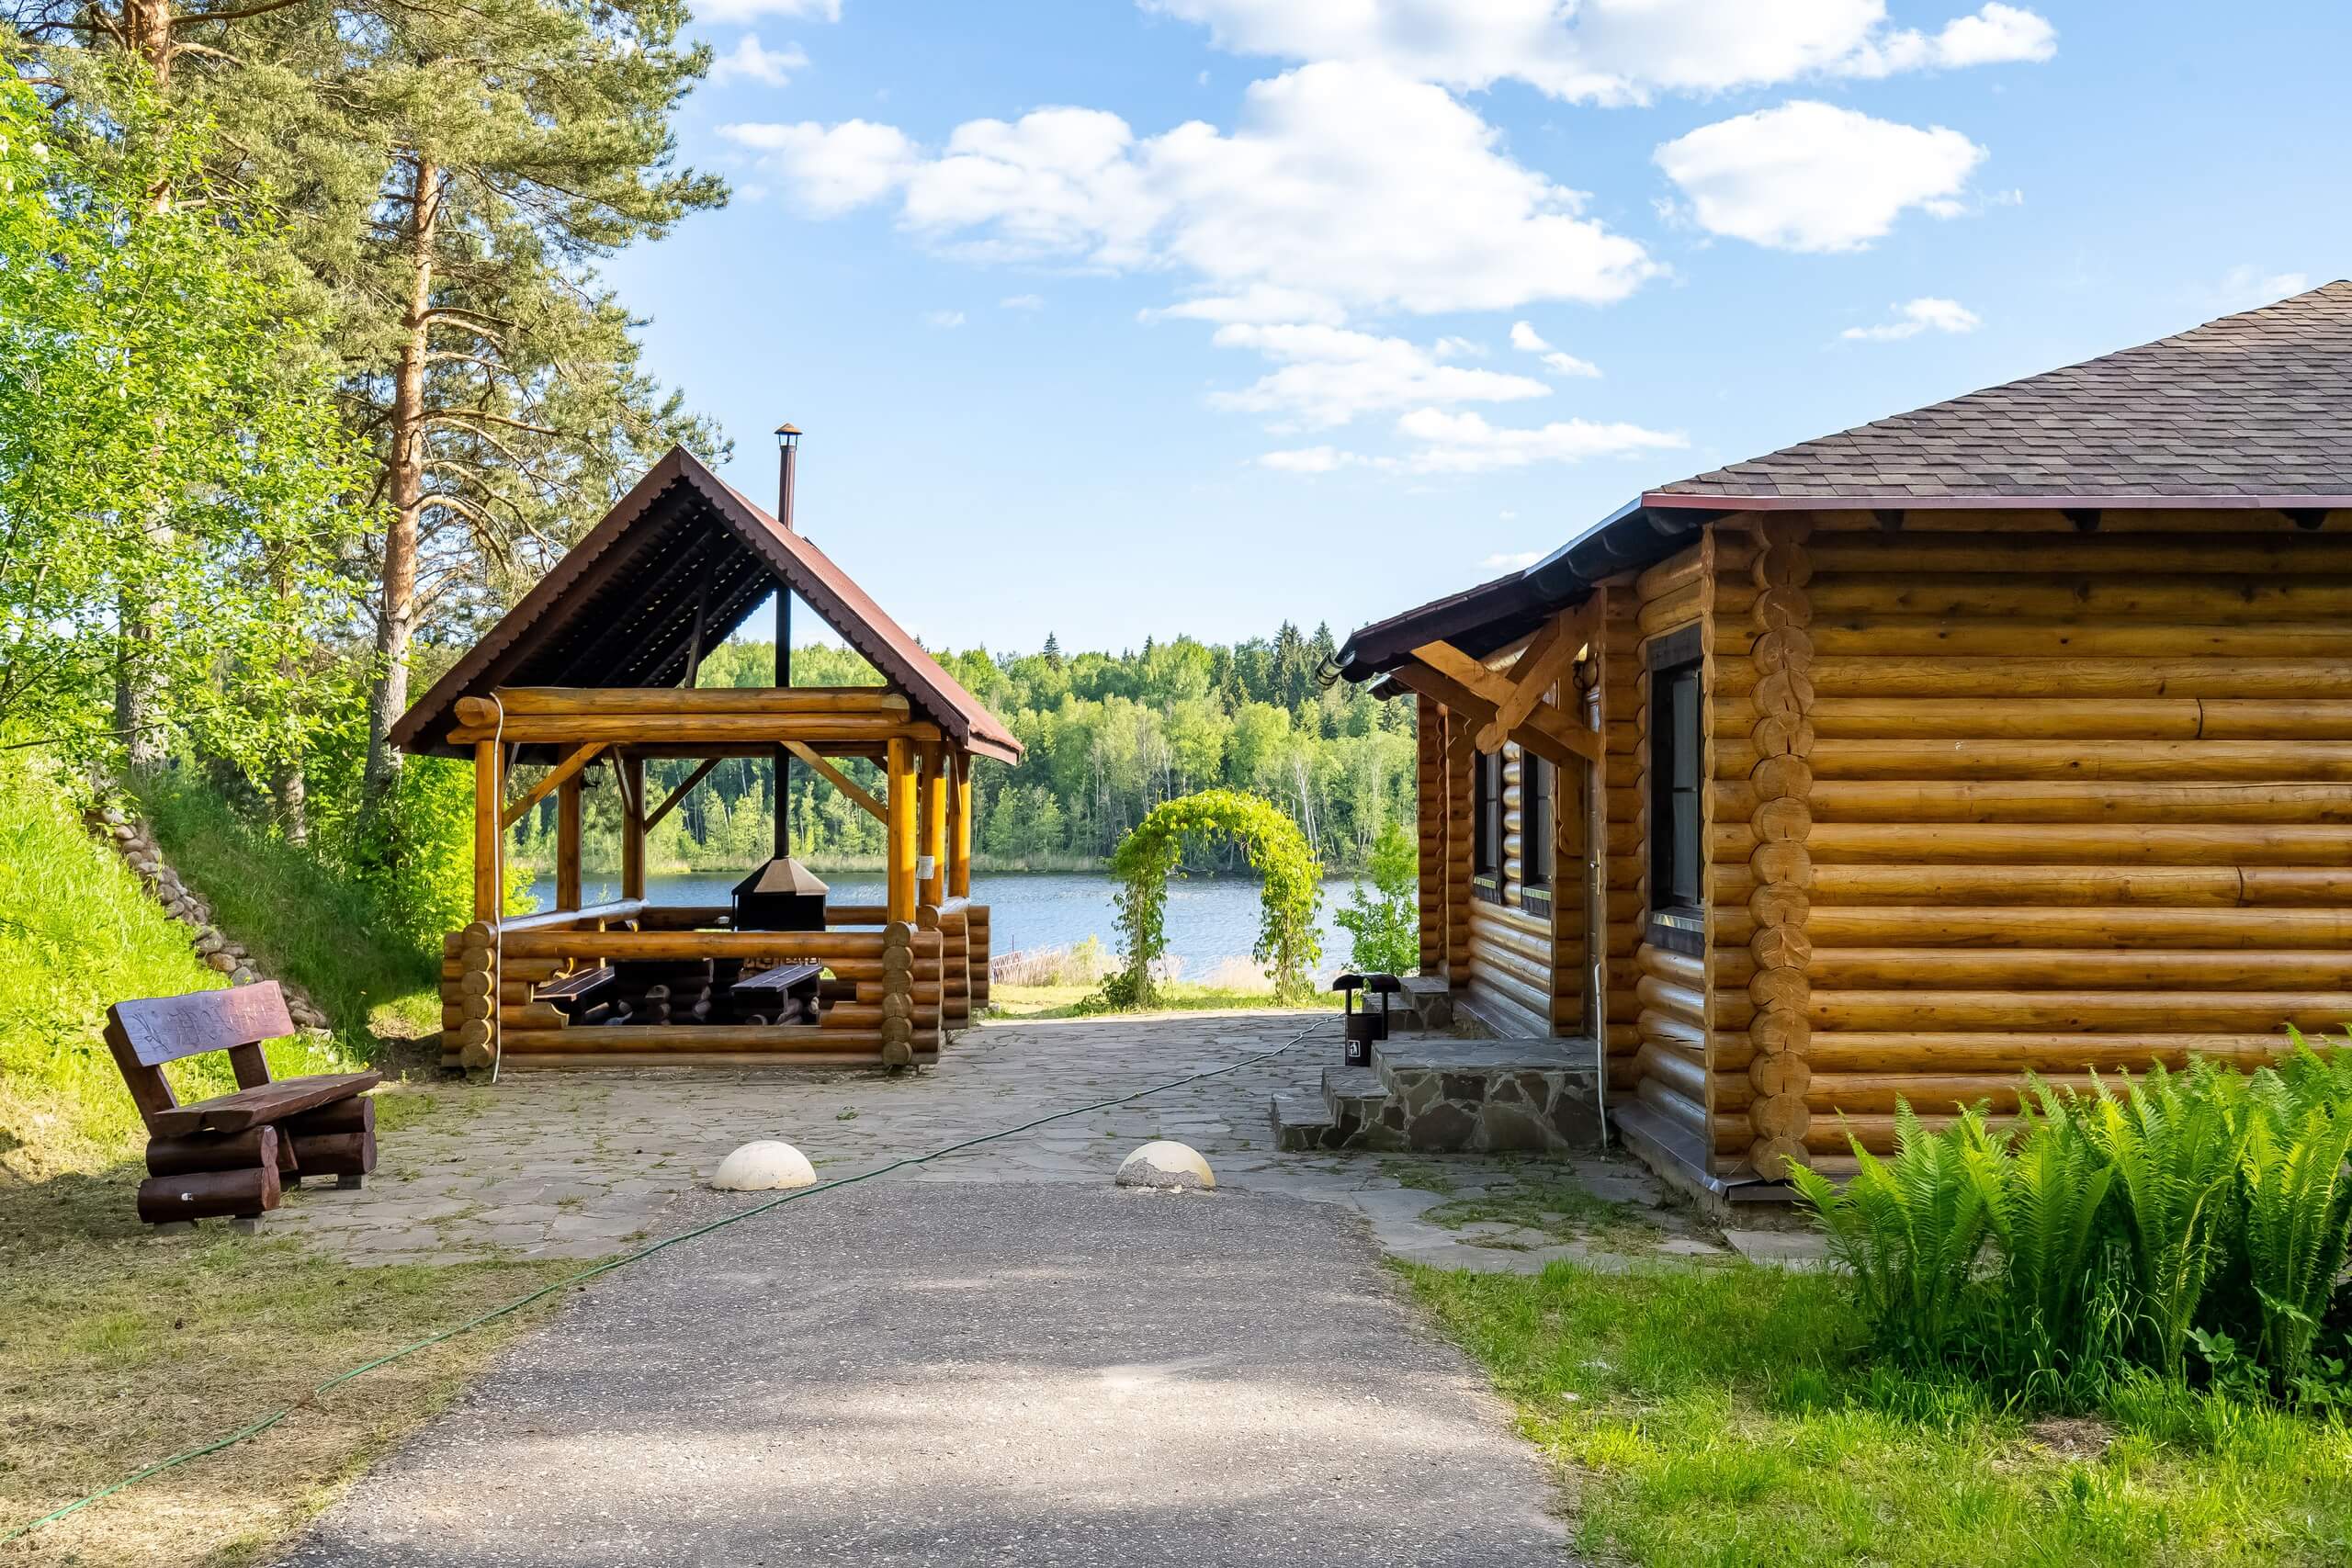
column 680, row 563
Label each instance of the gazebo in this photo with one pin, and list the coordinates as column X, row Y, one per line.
column 593, row 673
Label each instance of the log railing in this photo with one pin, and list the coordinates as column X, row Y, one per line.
column 914, row 983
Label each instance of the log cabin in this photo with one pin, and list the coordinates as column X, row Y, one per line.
column 592, row 675
column 2011, row 735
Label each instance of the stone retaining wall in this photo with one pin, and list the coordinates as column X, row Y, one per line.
column 136, row 845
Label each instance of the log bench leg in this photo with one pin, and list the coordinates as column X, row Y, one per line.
column 244, row 1191
column 336, row 1139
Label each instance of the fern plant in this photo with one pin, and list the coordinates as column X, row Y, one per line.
column 2172, row 1144
column 1908, row 1230
column 2045, row 1191
column 2297, row 1204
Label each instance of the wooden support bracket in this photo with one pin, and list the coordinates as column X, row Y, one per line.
column 839, row 780
column 1545, row 731
column 576, row 759
column 1545, row 660
column 679, row 793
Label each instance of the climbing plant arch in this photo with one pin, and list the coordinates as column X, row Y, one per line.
column 1287, row 942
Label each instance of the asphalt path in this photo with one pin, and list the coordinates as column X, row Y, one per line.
column 903, row 1373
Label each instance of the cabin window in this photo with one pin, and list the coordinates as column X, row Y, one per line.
column 1677, row 742
column 1487, row 821
column 1537, row 785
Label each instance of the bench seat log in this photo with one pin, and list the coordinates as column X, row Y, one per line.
column 268, row 1102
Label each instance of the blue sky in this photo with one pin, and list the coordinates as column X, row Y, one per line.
column 1117, row 319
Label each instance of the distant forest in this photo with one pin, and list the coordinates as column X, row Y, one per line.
column 1108, row 737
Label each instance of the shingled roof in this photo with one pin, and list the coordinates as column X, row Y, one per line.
column 680, row 563
column 2255, row 404
column 2252, row 410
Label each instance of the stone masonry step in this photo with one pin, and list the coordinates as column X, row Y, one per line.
column 1300, row 1125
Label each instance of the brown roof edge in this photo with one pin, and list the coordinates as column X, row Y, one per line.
column 790, row 557
column 2108, row 501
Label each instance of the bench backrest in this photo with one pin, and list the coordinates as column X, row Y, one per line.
column 145, row 1032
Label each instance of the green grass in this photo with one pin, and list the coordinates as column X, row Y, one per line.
column 1725, row 1416
column 118, row 1348
column 301, row 922
column 1068, row 1001
column 77, row 932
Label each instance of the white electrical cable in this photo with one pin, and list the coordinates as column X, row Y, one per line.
column 498, row 900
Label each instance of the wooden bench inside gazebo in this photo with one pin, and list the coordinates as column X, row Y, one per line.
column 591, row 677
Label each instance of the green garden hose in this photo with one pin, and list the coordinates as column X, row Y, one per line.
column 255, row 1428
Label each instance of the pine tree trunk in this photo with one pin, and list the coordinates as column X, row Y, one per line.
column 138, row 701
column 396, row 615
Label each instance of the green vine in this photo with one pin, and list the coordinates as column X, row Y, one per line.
column 1293, row 885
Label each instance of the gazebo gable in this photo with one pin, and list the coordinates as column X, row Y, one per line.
column 673, row 570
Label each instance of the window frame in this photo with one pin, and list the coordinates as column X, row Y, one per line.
column 1677, row 916
column 1486, row 825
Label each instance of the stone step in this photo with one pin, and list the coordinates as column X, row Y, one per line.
column 1353, row 1091
column 1427, row 1002
column 1300, row 1125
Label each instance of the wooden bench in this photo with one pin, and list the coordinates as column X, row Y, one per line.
column 233, row 1154
column 575, row 992
column 787, row 993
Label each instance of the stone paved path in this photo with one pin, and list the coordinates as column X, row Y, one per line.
column 585, row 1164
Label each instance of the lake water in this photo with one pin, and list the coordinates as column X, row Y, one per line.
column 1210, row 919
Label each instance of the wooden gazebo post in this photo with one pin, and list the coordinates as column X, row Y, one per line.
column 632, row 826
column 567, row 844
column 489, row 808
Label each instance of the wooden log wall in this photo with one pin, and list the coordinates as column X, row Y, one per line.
column 2072, row 801
column 1571, row 953
column 1761, row 863
column 1668, row 992
column 1429, row 729
column 1624, row 814
column 1459, row 762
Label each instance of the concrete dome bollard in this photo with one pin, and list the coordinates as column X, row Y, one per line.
column 764, row 1166
column 1169, row 1165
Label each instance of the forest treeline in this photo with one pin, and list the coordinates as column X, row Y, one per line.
column 1107, row 737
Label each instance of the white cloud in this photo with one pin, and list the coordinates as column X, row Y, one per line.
column 1309, row 460
column 751, row 10
column 2244, row 287
column 1525, row 338
column 1915, row 316
column 829, row 169
column 1616, row 51
column 1446, row 443
column 1022, row 302
column 1466, row 443
column 1328, row 376
column 1343, row 182
column 750, row 61
column 1512, row 560
column 1259, row 302
column 1458, row 348
column 1810, row 177
column 943, row 319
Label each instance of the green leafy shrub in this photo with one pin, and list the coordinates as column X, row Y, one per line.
column 1909, row 1229
column 1386, row 929
column 2045, row 1195
column 2208, row 1210
column 1274, row 849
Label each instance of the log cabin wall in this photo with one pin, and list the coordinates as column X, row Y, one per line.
column 1429, row 739
column 2068, row 801
column 1512, row 981
column 1662, row 1003
column 1622, row 694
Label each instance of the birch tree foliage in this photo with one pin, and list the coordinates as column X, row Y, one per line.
column 168, row 444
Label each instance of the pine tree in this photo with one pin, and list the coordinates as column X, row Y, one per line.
column 525, row 139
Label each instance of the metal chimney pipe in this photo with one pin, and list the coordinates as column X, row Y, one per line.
column 787, row 447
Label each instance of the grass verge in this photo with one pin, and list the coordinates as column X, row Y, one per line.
column 1068, row 1001
column 1723, row 1416
column 118, row 1347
